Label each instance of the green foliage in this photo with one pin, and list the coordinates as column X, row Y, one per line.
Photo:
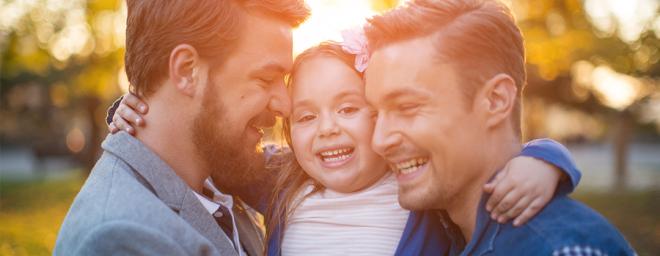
column 74, row 46
column 559, row 33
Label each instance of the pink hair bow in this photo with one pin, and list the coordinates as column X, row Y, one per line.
column 355, row 42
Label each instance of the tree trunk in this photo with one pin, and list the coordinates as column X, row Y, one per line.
column 622, row 135
column 93, row 147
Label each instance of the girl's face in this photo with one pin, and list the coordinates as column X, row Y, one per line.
column 331, row 126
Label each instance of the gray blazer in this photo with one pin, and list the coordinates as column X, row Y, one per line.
column 133, row 203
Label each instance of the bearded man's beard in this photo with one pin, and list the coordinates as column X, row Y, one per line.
column 226, row 156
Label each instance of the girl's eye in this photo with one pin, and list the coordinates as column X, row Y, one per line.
column 348, row 110
column 305, row 118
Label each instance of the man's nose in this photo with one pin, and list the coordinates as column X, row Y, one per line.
column 280, row 103
column 384, row 140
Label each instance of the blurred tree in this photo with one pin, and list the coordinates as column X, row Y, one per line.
column 65, row 57
column 604, row 73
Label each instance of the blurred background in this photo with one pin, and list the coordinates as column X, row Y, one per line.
column 594, row 84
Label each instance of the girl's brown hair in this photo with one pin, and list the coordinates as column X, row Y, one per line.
column 292, row 179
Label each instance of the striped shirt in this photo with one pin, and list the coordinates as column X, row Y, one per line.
column 368, row 222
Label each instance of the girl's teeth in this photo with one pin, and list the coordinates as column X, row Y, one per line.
column 335, row 152
column 335, row 155
column 334, row 159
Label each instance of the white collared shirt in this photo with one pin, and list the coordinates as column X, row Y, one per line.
column 212, row 205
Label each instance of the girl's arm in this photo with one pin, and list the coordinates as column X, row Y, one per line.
column 529, row 181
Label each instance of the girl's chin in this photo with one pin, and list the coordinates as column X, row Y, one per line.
column 348, row 184
column 342, row 185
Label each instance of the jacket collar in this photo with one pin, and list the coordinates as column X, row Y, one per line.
column 167, row 186
column 483, row 237
column 250, row 232
column 485, row 231
column 484, row 234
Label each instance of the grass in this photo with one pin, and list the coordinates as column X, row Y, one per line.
column 635, row 214
column 31, row 213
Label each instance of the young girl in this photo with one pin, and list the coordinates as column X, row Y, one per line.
column 338, row 197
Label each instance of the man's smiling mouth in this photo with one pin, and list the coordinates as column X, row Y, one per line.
column 410, row 165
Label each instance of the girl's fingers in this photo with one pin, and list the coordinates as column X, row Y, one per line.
column 529, row 212
column 135, row 103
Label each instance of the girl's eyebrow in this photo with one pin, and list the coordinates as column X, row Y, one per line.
column 348, row 93
column 342, row 95
column 302, row 103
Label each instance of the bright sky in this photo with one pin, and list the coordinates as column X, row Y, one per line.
column 631, row 15
column 328, row 19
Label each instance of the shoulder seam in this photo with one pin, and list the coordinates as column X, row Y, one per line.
column 107, row 195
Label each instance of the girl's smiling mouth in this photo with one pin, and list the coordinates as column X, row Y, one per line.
column 336, row 156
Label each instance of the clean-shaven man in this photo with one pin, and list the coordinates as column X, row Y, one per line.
column 446, row 78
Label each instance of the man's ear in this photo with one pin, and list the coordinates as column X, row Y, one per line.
column 183, row 65
column 498, row 99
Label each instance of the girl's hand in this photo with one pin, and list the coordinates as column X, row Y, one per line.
column 128, row 115
column 522, row 189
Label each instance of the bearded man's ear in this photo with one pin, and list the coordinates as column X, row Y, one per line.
column 183, row 65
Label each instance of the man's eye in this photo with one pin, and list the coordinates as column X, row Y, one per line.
column 373, row 114
column 408, row 107
column 305, row 118
column 266, row 81
column 348, row 110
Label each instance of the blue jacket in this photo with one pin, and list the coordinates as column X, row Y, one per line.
column 563, row 227
column 424, row 233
